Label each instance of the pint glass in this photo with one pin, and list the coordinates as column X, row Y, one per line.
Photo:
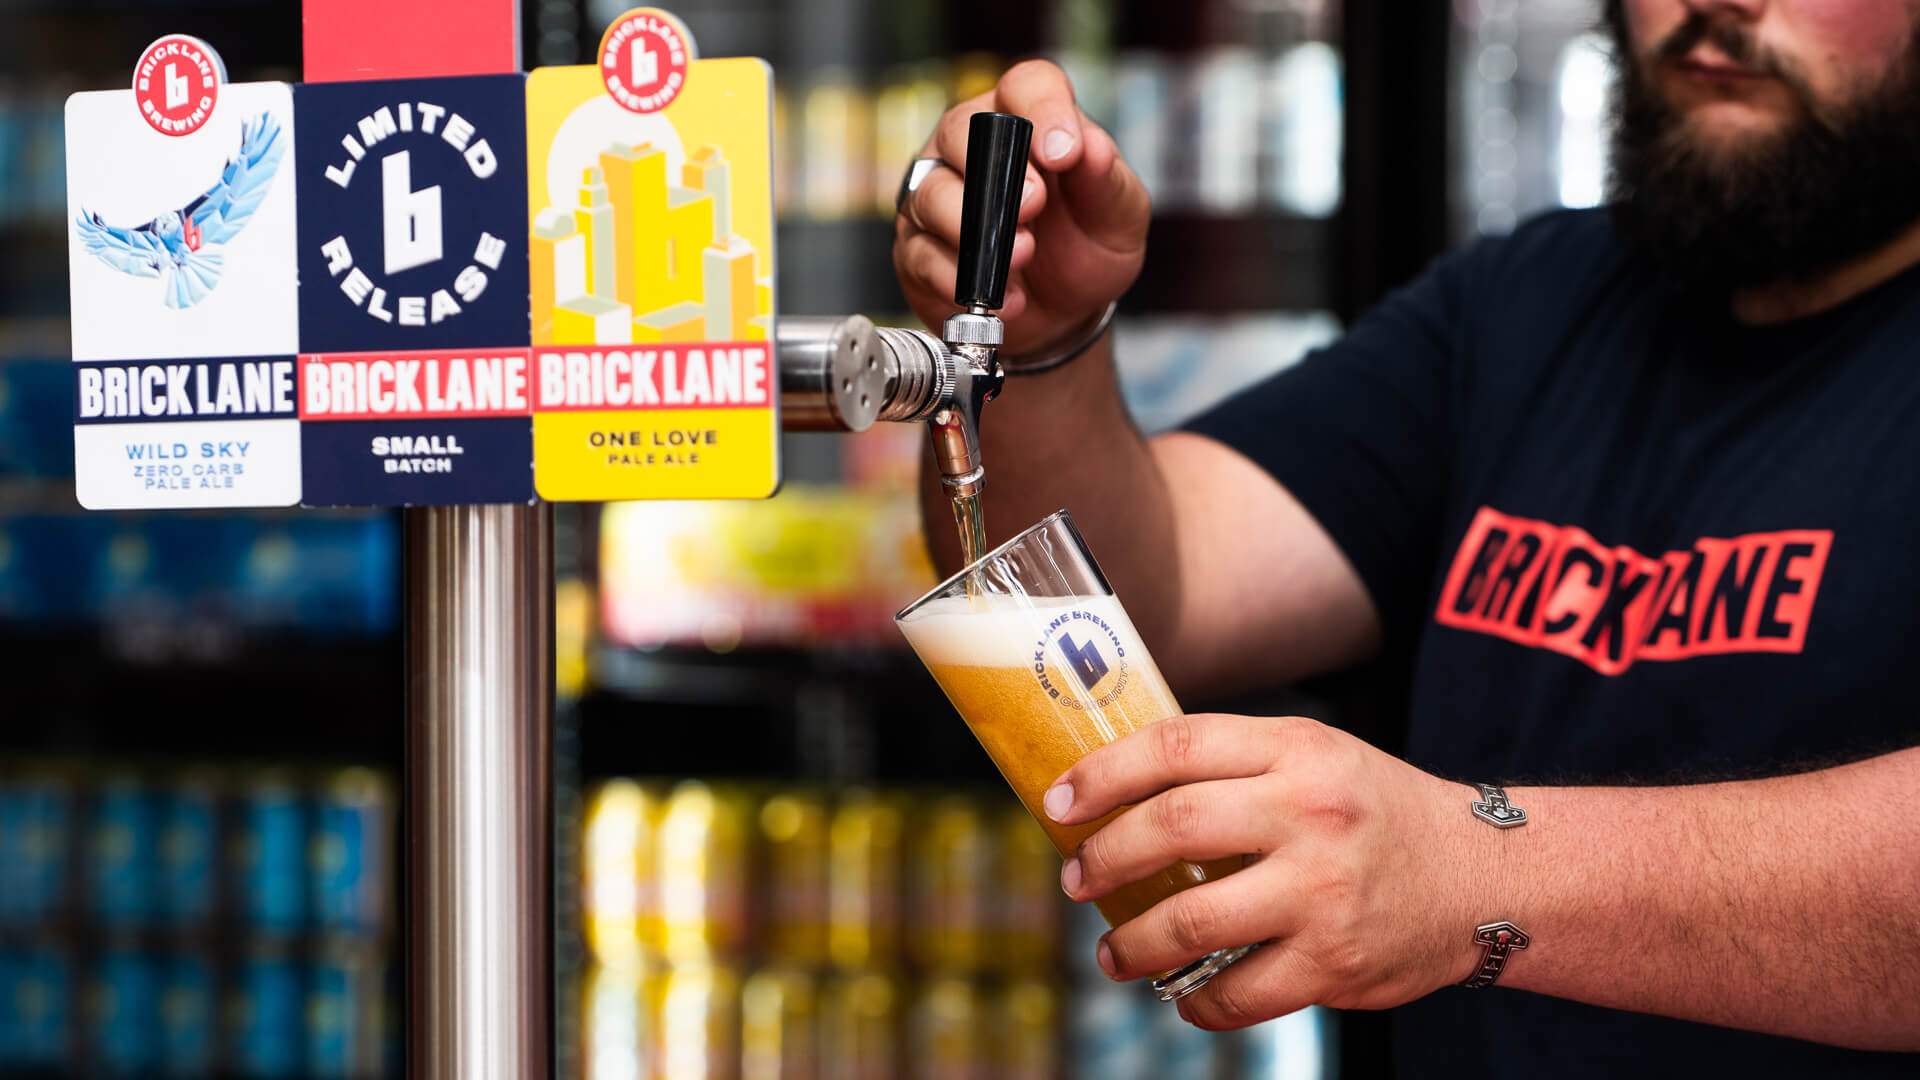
column 1035, row 652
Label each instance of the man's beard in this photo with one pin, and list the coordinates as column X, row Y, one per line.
column 1831, row 185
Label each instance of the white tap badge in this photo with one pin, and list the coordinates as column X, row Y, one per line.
column 181, row 260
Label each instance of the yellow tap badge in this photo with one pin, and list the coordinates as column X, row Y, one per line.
column 651, row 236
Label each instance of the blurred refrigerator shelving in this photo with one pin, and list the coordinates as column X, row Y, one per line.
column 201, row 741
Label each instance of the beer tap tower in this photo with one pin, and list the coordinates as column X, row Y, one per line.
column 845, row 373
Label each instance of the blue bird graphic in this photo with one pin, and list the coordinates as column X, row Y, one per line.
column 174, row 246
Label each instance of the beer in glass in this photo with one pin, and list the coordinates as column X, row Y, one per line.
column 1036, row 653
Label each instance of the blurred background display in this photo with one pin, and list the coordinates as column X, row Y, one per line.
column 779, row 852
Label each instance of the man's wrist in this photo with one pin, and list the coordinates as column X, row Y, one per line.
column 1064, row 348
column 1490, row 883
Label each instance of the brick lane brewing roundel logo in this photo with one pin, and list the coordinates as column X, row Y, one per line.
column 1082, row 649
column 177, row 83
column 643, row 59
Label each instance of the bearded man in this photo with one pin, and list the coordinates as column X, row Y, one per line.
column 1636, row 488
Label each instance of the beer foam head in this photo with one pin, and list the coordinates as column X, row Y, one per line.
column 996, row 631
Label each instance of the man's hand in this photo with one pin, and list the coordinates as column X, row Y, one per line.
column 1083, row 216
column 1355, row 880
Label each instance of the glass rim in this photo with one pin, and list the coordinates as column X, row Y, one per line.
column 952, row 579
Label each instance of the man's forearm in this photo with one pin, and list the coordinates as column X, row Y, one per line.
column 1065, row 439
column 1788, row 905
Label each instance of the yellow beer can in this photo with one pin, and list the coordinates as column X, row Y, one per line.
column 793, row 840
column 698, row 1023
column 1026, row 1029
column 1026, row 901
column 860, row 1027
column 864, row 880
column 952, row 861
column 947, row 1031
column 701, row 852
column 616, row 1022
column 779, row 1026
column 617, row 871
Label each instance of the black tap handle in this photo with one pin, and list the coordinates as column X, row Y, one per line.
column 990, row 206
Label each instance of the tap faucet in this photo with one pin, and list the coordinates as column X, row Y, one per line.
column 843, row 373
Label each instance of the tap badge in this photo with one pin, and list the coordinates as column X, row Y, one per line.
column 413, row 291
column 410, row 213
column 644, row 57
column 177, row 83
column 1079, row 661
column 650, row 246
column 181, row 244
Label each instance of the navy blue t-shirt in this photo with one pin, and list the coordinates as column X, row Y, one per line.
column 1626, row 540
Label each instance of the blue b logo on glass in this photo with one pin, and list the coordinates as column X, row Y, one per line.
column 1100, row 669
column 1084, row 660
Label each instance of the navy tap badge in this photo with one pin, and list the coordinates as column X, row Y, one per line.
column 414, row 330
column 413, row 214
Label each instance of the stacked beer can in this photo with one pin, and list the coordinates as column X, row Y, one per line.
column 169, row 921
column 786, row 934
column 741, row 933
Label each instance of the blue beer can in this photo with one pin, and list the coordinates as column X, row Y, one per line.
column 36, row 821
column 1110, row 1032
column 264, row 1014
column 36, row 985
column 189, row 1036
column 1184, row 1052
column 1303, row 1045
column 269, row 854
column 351, row 862
column 12, row 1037
column 189, row 851
column 122, row 853
column 9, row 1037
column 123, row 1012
column 346, row 1010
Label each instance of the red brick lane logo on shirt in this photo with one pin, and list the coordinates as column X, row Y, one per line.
column 1556, row 587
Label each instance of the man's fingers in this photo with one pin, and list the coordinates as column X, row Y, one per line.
column 1217, row 819
column 1239, row 909
column 1177, row 750
column 1268, row 982
column 1016, row 303
column 1035, row 89
column 949, row 142
column 926, row 264
column 949, row 139
column 935, row 205
column 1107, row 200
column 1041, row 92
column 1023, row 242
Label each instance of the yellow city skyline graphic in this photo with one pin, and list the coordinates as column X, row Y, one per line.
column 638, row 260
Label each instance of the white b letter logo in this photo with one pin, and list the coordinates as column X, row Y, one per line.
column 410, row 220
column 646, row 65
column 176, row 89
